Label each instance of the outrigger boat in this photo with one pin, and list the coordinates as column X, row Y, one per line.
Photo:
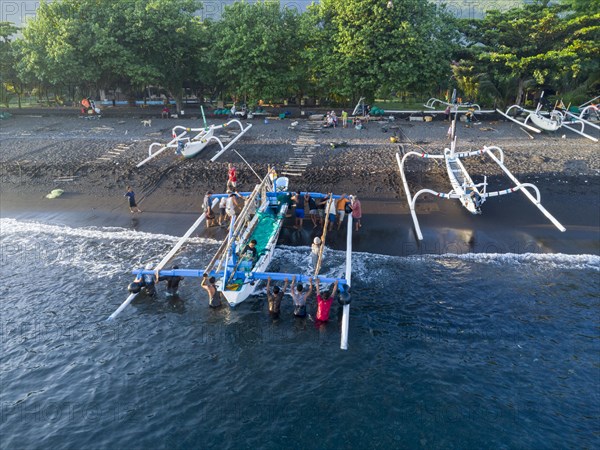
column 454, row 103
column 237, row 277
column 549, row 121
column 463, row 187
column 189, row 147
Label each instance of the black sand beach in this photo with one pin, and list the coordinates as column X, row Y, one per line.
column 93, row 161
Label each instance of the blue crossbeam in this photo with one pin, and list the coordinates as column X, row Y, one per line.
column 275, row 276
column 274, row 194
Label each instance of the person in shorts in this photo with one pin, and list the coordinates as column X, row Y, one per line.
column 214, row 301
column 299, row 296
column 131, row 197
column 231, row 177
column 274, row 297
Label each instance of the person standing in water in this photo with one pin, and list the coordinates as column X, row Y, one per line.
column 299, row 297
column 324, row 302
column 315, row 249
column 274, row 298
column 213, row 296
column 172, row 282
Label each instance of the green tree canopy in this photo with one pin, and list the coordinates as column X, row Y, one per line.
column 256, row 50
column 539, row 42
column 385, row 47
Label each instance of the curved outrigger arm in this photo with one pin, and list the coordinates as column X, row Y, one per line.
column 432, row 101
column 505, row 114
column 233, row 141
column 576, row 120
column 171, row 144
column 407, row 190
column 523, row 187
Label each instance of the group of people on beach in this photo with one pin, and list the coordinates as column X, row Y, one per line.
column 330, row 120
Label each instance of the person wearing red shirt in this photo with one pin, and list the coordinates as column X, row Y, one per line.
column 324, row 302
column 231, row 178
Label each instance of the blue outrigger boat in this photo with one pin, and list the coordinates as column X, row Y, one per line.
column 236, row 277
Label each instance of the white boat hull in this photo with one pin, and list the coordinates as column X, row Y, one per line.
column 549, row 124
column 195, row 146
column 235, row 297
column 462, row 184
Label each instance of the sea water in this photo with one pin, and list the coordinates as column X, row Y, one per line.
column 445, row 351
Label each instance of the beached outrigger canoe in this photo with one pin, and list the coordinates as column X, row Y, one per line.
column 551, row 121
column 188, row 147
column 454, row 103
column 463, row 187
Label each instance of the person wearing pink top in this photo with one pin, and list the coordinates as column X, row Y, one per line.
column 324, row 302
column 356, row 212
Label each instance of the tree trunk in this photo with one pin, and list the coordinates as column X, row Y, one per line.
column 519, row 92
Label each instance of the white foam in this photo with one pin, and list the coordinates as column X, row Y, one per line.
column 548, row 260
column 13, row 226
column 96, row 252
column 364, row 261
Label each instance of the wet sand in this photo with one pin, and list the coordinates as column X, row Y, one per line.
column 41, row 149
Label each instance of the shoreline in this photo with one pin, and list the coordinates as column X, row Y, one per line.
column 100, row 157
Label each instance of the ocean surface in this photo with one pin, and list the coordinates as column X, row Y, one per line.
column 445, row 351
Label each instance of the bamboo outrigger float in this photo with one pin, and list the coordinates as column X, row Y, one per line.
column 236, row 277
column 463, row 187
column 188, row 147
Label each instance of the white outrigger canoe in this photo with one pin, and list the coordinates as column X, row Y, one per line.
column 188, row 147
column 552, row 121
column 463, row 187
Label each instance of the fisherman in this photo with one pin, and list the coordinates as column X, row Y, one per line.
column 331, row 211
column 207, row 207
column 172, row 282
column 272, row 173
column 300, row 202
column 324, row 302
column 299, row 297
column 274, row 298
column 147, row 280
column 222, row 206
column 312, row 209
column 231, row 204
column 476, row 199
column 214, row 301
column 315, row 249
column 250, row 253
column 341, row 207
column 180, row 147
column 356, row 211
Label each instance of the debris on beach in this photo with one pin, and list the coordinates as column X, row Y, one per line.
column 55, row 193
